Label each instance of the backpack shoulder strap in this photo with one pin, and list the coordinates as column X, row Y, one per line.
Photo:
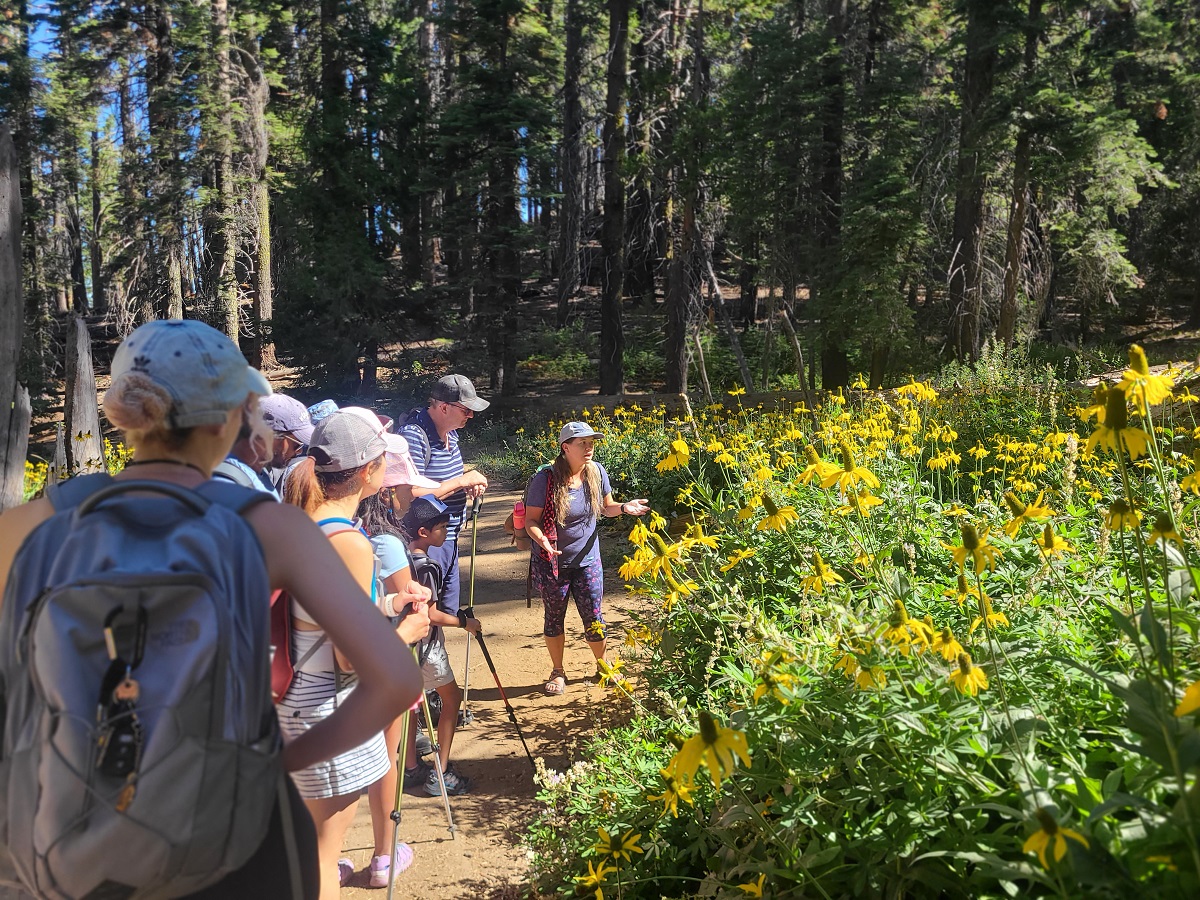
column 229, row 472
column 72, row 492
column 428, row 573
column 426, row 447
column 233, row 496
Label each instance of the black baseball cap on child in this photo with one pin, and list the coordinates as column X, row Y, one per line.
column 426, row 511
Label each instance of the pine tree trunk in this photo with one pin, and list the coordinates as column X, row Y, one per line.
column 1014, row 248
column 835, row 365
column 95, row 245
column 167, row 194
column 570, row 219
column 612, row 330
column 262, row 348
column 641, row 230
column 13, row 432
column 85, row 440
column 222, row 276
column 965, row 285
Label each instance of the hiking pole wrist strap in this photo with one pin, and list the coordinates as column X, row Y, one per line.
column 464, row 615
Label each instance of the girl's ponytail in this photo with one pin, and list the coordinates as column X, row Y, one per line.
column 302, row 488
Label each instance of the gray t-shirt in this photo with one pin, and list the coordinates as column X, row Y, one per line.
column 573, row 534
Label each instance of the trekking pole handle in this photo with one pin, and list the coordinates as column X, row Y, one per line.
column 475, row 504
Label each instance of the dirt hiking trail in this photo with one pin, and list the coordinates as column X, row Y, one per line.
column 486, row 860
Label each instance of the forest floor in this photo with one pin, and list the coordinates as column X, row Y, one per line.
column 486, row 859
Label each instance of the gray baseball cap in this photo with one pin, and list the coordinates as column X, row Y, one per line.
column 287, row 415
column 351, row 438
column 203, row 370
column 458, row 389
column 573, row 430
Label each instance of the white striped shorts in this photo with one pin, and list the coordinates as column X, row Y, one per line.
column 311, row 699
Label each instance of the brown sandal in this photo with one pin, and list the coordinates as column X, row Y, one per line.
column 556, row 684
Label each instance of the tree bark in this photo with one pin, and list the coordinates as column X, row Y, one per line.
column 167, row 193
column 612, row 329
column 85, row 440
column 222, row 275
column 835, row 365
column 14, row 433
column 570, row 219
column 965, row 287
column 95, row 244
column 1014, row 247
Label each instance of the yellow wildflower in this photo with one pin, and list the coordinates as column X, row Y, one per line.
column 1050, row 543
column 675, row 789
column 1192, row 482
column 595, row 878
column 1051, row 834
column 618, row 846
column 994, row 619
column 716, row 746
column 1121, row 516
column 947, row 645
column 968, row 678
column 1164, row 530
column 737, row 557
column 639, row 534
column 778, row 517
column 1023, row 513
column 677, row 458
column 816, row 469
column 1143, row 388
column 850, row 474
column 1191, row 700
column 755, row 888
column 975, row 547
column 822, row 576
column 609, row 672
column 1113, row 431
column 873, row 677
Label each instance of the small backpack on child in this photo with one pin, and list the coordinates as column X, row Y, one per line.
column 140, row 751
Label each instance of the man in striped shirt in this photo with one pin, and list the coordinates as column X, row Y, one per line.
column 432, row 437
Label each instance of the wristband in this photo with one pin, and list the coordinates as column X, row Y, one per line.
column 462, row 618
column 623, row 512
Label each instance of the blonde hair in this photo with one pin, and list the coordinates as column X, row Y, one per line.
column 140, row 407
column 560, row 502
column 259, row 435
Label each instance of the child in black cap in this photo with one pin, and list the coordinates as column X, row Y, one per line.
column 425, row 525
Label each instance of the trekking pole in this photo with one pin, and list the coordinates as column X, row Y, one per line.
column 437, row 758
column 512, row 715
column 465, row 716
column 401, row 753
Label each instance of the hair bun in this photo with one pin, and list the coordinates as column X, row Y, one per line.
column 134, row 402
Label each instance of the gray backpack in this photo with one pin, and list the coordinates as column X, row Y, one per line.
column 140, row 751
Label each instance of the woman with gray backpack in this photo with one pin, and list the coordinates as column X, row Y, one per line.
column 141, row 754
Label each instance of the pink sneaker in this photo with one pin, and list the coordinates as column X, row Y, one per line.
column 381, row 865
column 345, row 870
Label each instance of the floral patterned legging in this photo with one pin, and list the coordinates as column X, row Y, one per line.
column 586, row 583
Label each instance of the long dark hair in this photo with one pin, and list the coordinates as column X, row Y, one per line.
column 378, row 517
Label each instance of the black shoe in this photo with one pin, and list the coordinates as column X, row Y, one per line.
column 424, row 744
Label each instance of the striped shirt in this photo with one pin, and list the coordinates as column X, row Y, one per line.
column 443, row 463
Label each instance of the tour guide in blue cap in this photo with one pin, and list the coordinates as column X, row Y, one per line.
column 432, row 437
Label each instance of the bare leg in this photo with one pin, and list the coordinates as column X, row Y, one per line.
column 556, row 646
column 332, row 816
column 597, row 648
column 382, row 794
column 451, row 695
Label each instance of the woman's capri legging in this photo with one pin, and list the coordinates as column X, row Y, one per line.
column 585, row 583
